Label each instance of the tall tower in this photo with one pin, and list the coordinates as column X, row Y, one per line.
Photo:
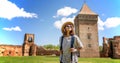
column 87, row 29
column 29, row 48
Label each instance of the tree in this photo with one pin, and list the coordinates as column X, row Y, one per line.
column 51, row 47
column 100, row 48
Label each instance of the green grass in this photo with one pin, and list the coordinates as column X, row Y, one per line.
column 53, row 59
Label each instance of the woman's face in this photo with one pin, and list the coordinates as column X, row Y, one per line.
column 68, row 27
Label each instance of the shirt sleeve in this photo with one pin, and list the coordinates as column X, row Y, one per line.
column 78, row 42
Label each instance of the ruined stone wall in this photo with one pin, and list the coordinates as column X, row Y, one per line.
column 29, row 48
column 10, row 50
column 116, row 47
column 111, row 47
column 16, row 50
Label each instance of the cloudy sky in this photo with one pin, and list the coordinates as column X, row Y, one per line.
column 44, row 18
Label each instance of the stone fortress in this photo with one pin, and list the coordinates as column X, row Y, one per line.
column 86, row 28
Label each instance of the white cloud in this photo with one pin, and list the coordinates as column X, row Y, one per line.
column 100, row 24
column 112, row 22
column 66, row 11
column 109, row 23
column 17, row 28
column 10, row 10
column 58, row 24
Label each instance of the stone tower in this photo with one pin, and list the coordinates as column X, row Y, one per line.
column 29, row 48
column 87, row 29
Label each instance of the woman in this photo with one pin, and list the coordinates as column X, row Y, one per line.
column 70, row 44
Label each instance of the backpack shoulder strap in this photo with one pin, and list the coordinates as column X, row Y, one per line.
column 72, row 41
column 61, row 48
column 61, row 43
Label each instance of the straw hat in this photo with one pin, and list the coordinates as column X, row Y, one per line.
column 66, row 23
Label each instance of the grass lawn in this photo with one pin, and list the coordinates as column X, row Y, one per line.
column 53, row 59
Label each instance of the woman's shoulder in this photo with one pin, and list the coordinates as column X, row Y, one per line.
column 76, row 36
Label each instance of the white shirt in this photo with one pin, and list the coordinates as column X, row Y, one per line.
column 66, row 56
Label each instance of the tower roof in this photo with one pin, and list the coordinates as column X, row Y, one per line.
column 86, row 10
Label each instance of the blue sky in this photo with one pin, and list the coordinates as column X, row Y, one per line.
column 45, row 17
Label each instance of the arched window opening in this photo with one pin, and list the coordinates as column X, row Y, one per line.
column 30, row 39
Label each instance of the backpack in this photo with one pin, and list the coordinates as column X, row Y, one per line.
column 71, row 46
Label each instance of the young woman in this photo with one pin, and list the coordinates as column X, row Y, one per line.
column 70, row 44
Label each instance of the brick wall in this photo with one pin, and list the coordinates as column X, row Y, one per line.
column 10, row 50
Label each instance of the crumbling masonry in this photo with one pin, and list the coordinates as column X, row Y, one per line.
column 29, row 48
column 111, row 47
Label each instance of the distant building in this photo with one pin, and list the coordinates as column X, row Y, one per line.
column 86, row 28
column 111, row 47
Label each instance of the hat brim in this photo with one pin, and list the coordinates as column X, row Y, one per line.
column 66, row 23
